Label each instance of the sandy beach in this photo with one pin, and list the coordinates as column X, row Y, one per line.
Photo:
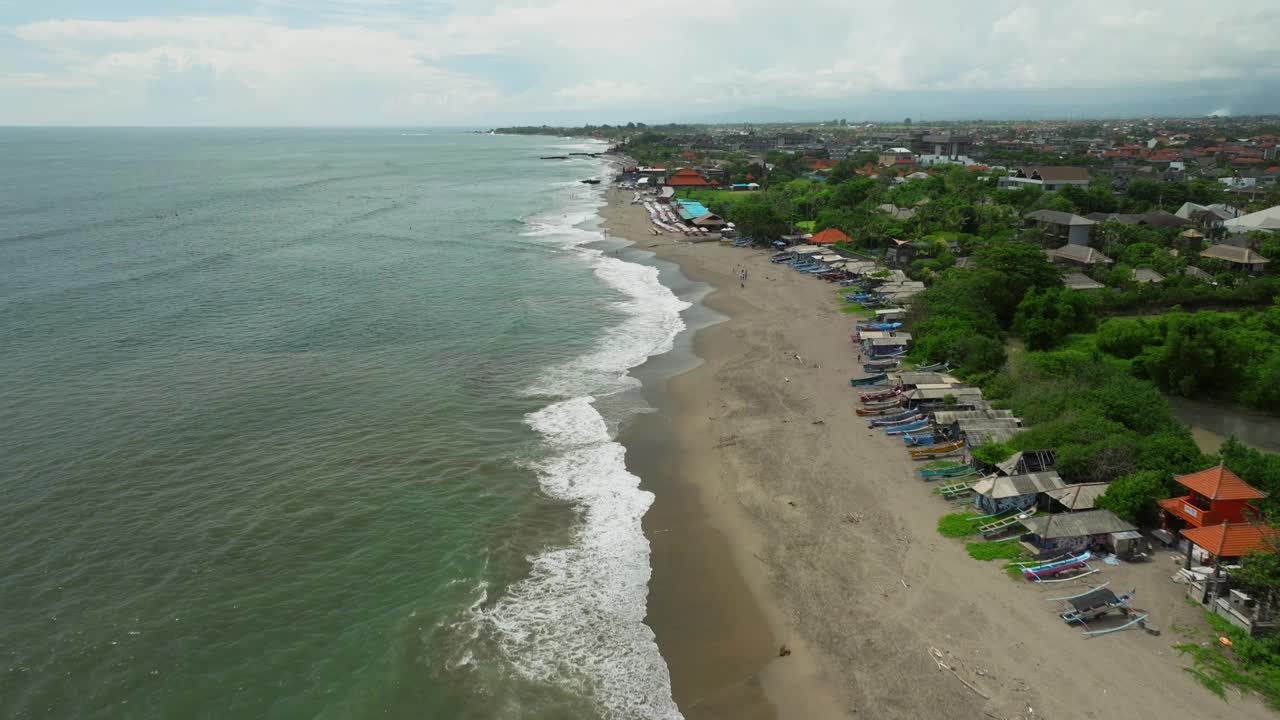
column 782, row 520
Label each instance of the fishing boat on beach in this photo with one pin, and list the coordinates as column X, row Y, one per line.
column 909, row 427
column 946, row 471
column 869, row 380
column 941, row 449
column 908, row 416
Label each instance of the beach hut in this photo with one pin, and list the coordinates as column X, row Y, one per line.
column 910, row 380
column 1074, row 498
column 932, row 399
column 1062, row 532
column 1013, row 492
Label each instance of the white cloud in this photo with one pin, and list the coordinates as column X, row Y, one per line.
column 388, row 61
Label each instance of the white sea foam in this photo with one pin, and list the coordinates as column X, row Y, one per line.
column 577, row 621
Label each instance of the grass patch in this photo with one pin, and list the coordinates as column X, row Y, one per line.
column 1013, row 571
column 940, row 464
column 961, row 524
column 999, row 550
column 1249, row 665
column 852, row 308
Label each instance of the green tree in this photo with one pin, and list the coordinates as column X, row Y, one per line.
column 1017, row 268
column 1133, row 497
column 759, row 219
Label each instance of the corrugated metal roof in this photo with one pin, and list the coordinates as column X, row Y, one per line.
column 1076, row 524
column 1079, row 497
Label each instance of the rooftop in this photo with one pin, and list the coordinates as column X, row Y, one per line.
column 1079, row 253
column 1054, row 173
column 1058, row 217
column 1219, row 483
column 1234, row 539
column 1080, row 281
column 1076, row 524
column 1078, row 497
column 829, row 236
column 1146, row 275
column 1231, row 253
column 1018, row 485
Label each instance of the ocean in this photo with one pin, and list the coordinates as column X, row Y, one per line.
column 319, row 424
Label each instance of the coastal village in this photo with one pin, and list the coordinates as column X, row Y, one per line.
column 1020, row 300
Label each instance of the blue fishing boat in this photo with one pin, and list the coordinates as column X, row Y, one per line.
column 918, row 440
column 898, row 430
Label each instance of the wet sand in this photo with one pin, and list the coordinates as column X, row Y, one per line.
column 781, row 519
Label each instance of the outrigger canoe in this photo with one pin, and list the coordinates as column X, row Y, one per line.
column 909, row 427
column 1035, row 572
column 946, row 471
column 869, row 380
column 891, row 409
column 881, row 396
column 899, row 417
column 938, row 449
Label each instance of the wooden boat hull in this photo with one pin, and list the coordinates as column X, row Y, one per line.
column 938, row 449
column 899, row 418
column 911, row 427
column 870, row 380
column 874, row 411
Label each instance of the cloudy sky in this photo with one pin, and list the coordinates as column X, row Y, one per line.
column 439, row 62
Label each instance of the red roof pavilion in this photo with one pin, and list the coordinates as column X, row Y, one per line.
column 830, row 236
column 1217, row 496
column 688, row 177
column 1232, row 539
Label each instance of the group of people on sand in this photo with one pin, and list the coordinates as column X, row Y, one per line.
column 742, row 275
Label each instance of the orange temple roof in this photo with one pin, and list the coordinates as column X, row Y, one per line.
column 1219, row 483
column 1232, row 540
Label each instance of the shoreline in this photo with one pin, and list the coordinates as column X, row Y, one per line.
column 826, row 540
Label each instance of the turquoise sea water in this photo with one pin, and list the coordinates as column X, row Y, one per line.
column 317, row 424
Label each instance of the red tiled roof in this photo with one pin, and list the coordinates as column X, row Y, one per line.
column 1219, row 483
column 1232, row 540
column 828, row 237
column 821, row 164
column 687, row 177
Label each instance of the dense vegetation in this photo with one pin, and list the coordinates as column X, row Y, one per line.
column 1229, row 356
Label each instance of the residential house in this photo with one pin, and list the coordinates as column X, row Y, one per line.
column 896, row 157
column 1074, row 531
column 896, row 212
column 1144, row 276
column 1061, row 226
column 1238, row 258
column 1216, row 495
column 1002, row 493
column 1080, row 281
column 1267, row 220
column 1079, row 255
column 1156, row 218
column 1050, row 178
column 1192, row 271
column 1207, row 216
